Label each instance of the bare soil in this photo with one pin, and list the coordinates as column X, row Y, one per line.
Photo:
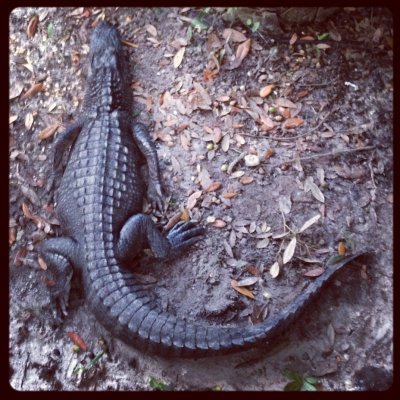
column 205, row 111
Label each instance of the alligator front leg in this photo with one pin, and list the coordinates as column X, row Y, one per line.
column 148, row 149
column 58, row 254
column 140, row 232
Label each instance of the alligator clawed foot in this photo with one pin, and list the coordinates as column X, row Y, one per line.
column 183, row 235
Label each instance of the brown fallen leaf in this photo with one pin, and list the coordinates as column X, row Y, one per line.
column 179, row 57
column 342, row 248
column 151, row 29
column 12, row 237
column 293, row 123
column 243, row 49
column 35, row 88
column 185, row 215
column 48, row 132
column 173, row 221
column 20, row 255
column 234, row 35
column 313, row 273
column 266, row 90
column 307, row 37
column 219, row 223
column 42, row 263
column 229, row 195
column 245, row 180
column 242, row 290
column 39, row 221
column 209, row 75
column 77, row 340
column 293, row 39
column 130, row 44
column 241, row 52
column 268, row 154
column 32, row 26
column 192, row 199
column 213, row 187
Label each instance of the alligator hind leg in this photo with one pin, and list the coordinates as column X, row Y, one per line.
column 140, row 232
column 58, row 253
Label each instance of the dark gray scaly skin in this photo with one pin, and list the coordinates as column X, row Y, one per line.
column 99, row 208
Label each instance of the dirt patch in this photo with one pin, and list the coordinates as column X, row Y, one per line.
column 324, row 130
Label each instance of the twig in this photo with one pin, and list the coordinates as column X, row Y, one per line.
column 235, row 161
column 332, row 153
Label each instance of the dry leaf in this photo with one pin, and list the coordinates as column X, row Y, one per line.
column 262, row 244
column 28, row 120
column 213, row 187
column 35, row 88
column 173, row 220
column 185, row 142
column 342, row 248
column 179, row 57
column 225, row 143
column 151, row 29
column 310, row 222
column 42, row 263
column 313, row 273
column 293, row 39
column 268, row 153
column 192, row 199
column 309, row 185
column 229, row 195
column 12, row 119
column 289, row 251
column 323, row 46
column 293, row 123
column 130, row 44
column 245, row 180
column 48, row 132
column 185, row 215
column 281, row 102
column 274, row 270
column 243, row 49
column 12, row 236
column 266, row 90
column 32, row 26
column 77, row 340
column 247, row 281
column 219, row 223
column 232, row 34
column 308, row 37
column 209, row 75
column 242, row 290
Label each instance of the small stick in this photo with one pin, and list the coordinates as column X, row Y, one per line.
column 330, row 154
column 235, row 161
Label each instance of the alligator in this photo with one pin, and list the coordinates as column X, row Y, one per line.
column 99, row 207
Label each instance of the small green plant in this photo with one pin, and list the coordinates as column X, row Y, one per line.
column 157, row 384
column 298, row 382
column 254, row 25
column 323, row 36
column 198, row 21
column 90, row 365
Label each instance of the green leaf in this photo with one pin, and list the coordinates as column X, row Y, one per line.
column 293, row 386
column 249, row 21
column 255, row 26
column 198, row 24
column 189, row 33
column 292, row 375
column 323, row 36
column 50, row 30
column 311, row 379
column 309, row 387
column 157, row 385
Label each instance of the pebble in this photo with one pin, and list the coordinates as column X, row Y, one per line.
column 251, row 160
